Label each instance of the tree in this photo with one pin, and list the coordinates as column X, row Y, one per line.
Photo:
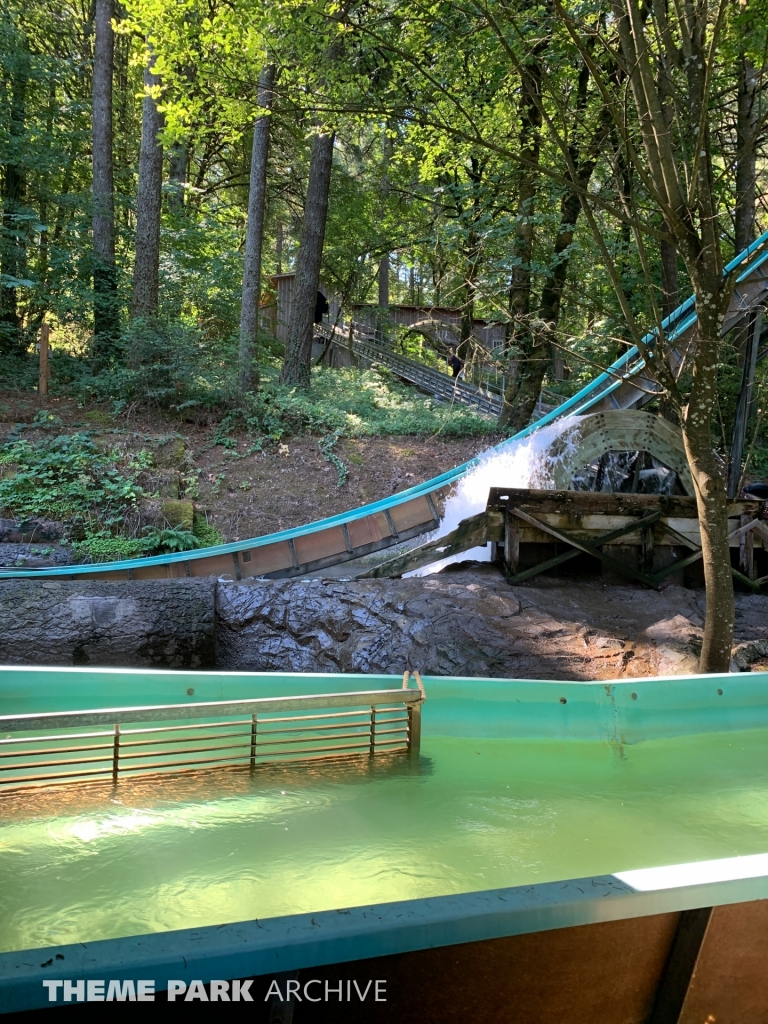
column 525, row 385
column 12, row 247
column 298, row 351
column 106, row 323
column 146, row 270
column 257, row 198
column 675, row 53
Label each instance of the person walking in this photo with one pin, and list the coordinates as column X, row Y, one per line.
column 456, row 364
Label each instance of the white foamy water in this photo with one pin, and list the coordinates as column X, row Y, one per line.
column 524, row 463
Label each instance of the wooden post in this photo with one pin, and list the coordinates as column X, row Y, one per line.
column 42, row 387
column 254, row 727
column 747, row 549
column 414, row 730
column 646, row 548
column 511, row 542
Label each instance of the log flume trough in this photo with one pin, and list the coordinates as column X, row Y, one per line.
column 627, row 384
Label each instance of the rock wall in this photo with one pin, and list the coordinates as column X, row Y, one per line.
column 470, row 623
column 464, row 623
column 152, row 623
column 434, row 625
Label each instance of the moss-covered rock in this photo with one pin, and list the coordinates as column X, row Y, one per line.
column 178, row 513
column 99, row 418
column 171, row 453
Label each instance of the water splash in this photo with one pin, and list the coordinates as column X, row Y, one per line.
column 527, row 462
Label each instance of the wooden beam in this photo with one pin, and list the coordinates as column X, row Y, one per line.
column 534, row 570
column 591, row 549
column 680, row 967
column 697, row 553
column 511, row 542
column 470, row 533
column 559, row 559
column 581, row 503
column 747, row 549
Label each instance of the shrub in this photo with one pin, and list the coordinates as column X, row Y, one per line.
column 66, row 478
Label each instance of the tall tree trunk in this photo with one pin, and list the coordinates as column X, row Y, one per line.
column 279, row 246
column 746, row 154
column 670, row 289
column 298, row 351
column 534, row 367
column 708, row 483
column 44, row 210
column 106, row 323
column 178, row 170
column 692, row 217
column 383, row 280
column 520, row 340
column 624, row 253
column 382, row 320
column 472, row 255
column 12, row 248
column 146, row 269
column 257, row 201
column 670, row 300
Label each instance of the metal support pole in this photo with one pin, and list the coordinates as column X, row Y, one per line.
column 116, row 753
column 373, row 730
column 254, row 727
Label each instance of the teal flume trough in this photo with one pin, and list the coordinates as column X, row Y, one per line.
column 480, row 738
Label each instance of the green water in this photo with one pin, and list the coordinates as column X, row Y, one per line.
column 476, row 814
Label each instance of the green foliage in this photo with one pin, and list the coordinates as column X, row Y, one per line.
column 66, row 478
column 357, row 403
column 45, row 420
column 207, row 534
column 172, row 538
column 167, row 366
column 327, row 444
column 103, row 546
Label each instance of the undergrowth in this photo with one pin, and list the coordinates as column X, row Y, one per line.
column 354, row 403
column 68, row 478
column 327, row 445
column 72, row 479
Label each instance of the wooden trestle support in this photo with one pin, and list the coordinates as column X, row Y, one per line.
column 646, row 537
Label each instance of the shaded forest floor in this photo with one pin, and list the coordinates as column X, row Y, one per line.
column 248, row 487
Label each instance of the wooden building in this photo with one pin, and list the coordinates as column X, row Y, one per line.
column 276, row 315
